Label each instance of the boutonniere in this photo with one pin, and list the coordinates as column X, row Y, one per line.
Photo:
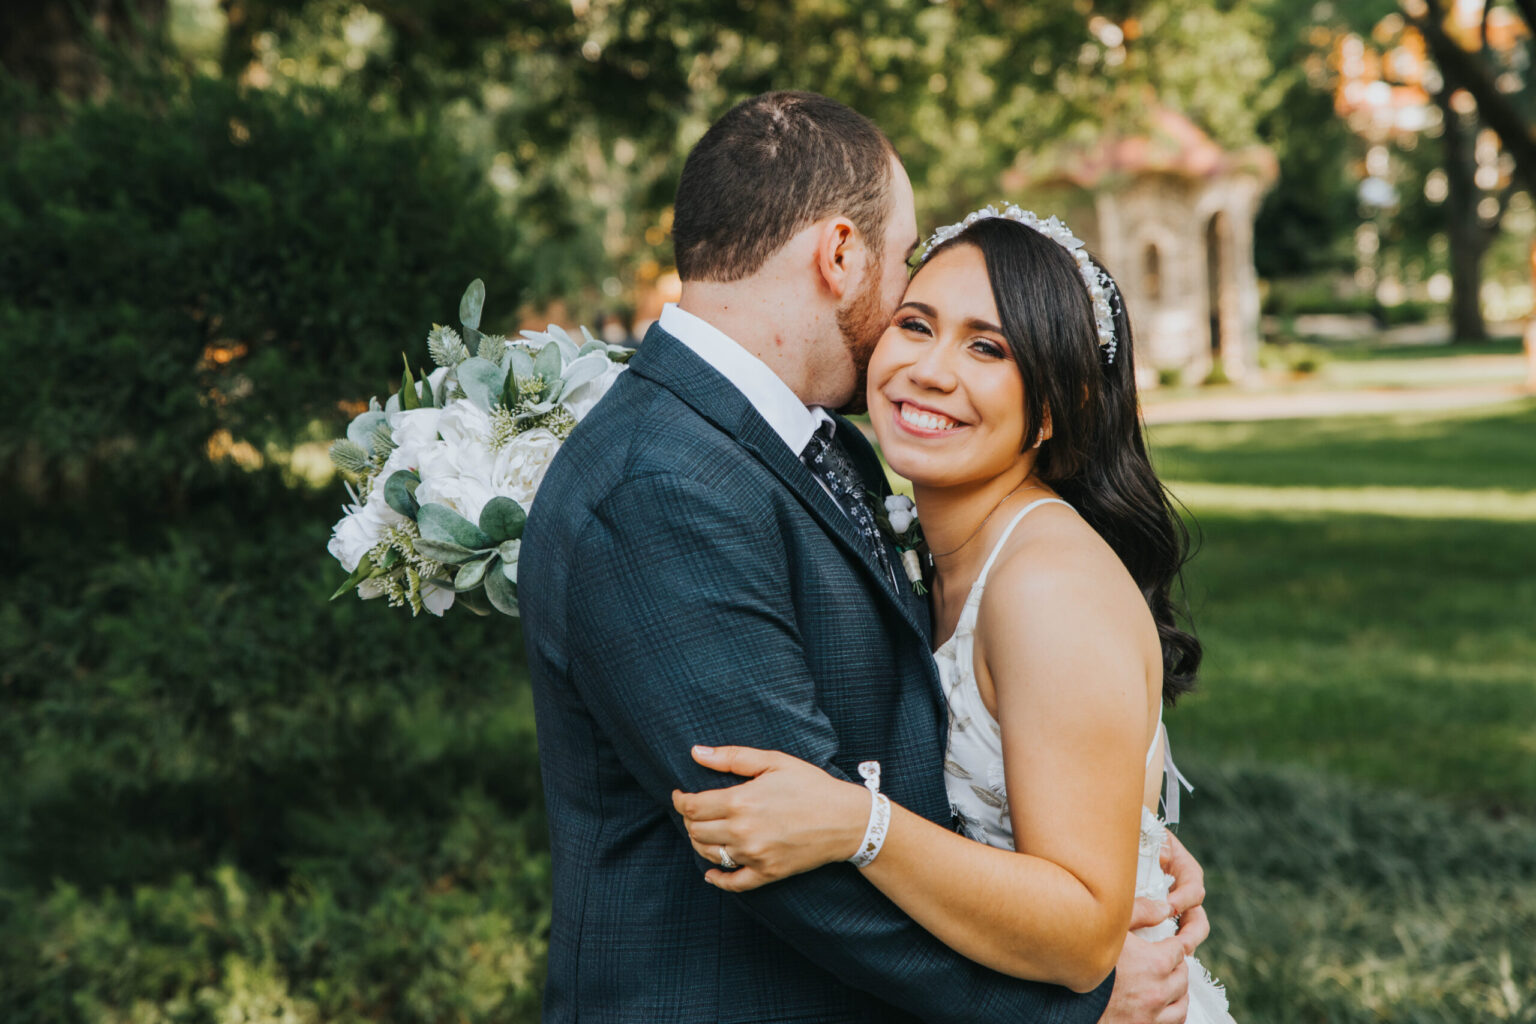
column 897, row 516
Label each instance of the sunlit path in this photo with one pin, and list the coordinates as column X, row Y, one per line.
column 1405, row 502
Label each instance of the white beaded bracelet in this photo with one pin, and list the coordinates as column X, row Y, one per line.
column 879, row 817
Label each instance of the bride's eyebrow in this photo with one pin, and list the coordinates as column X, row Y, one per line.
column 973, row 324
column 970, row 324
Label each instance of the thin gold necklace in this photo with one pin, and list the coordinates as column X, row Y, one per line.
column 945, row 554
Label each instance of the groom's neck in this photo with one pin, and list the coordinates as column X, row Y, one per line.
column 770, row 319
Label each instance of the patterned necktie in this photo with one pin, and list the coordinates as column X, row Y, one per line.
column 824, row 457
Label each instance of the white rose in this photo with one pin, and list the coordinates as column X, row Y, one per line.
column 352, row 538
column 413, row 428
column 464, row 422
column 583, row 398
column 521, row 465
column 458, row 476
column 901, row 520
column 362, row 528
column 898, row 503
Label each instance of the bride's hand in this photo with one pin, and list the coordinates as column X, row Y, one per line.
column 790, row 817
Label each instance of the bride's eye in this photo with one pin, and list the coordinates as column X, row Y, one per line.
column 989, row 348
column 915, row 325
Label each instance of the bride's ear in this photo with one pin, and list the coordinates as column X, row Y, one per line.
column 839, row 247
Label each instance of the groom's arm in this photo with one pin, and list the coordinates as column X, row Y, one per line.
column 681, row 599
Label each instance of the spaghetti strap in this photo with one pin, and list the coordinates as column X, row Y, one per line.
column 1007, row 532
column 1161, row 733
column 1172, row 777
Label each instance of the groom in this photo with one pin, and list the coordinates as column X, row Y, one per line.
column 686, row 578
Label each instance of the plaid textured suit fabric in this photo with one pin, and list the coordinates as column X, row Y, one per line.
column 684, row 579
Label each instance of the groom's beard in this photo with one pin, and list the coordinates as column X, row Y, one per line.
column 861, row 321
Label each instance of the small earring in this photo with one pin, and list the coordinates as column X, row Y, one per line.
column 1039, row 438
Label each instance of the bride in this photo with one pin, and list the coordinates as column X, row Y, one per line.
column 1004, row 389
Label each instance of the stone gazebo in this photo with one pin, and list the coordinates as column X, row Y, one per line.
column 1170, row 213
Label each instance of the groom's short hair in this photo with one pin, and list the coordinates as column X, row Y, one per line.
column 771, row 166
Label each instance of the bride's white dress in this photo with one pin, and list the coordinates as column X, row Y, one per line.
column 973, row 772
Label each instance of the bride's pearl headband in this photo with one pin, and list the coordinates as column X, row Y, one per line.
column 1100, row 288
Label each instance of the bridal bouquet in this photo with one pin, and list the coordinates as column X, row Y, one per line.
column 441, row 476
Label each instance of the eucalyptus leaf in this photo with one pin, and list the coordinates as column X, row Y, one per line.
column 502, row 519
column 470, row 601
column 502, row 593
column 443, row 524
column 549, row 362
column 509, row 551
column 440, row 551
column 581, row 371
column 591, row 347
column 587, row 336
column 522, row 362
column 568, row 348
column 482, row 381
column 534, row 411
column 472, row 303
column 400, row 492
column 360, row 430
column 471, row 573
column 363, row 571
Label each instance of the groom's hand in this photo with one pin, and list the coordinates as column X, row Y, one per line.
column 1187, row 894
column 1151, row 978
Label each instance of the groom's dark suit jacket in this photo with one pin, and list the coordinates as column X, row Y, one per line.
column 684, row 579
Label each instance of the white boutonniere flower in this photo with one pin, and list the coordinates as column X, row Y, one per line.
column 897, row 516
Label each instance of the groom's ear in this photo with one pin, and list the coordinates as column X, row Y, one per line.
column 838, row 247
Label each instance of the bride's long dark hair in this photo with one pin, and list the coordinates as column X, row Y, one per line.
column 1095, row 457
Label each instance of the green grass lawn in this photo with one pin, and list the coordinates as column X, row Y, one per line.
column 1364, row 740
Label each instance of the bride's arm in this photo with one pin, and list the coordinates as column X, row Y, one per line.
column 1072, row 703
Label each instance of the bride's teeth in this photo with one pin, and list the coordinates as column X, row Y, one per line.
column 927, row 421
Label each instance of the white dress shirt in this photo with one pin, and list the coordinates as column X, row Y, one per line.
column 789, row 417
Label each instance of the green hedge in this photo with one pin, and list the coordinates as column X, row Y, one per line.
column 218, row 785
column 226, row 799
column 1306, row 296
column 302, row 239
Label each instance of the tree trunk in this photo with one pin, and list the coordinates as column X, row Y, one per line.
column 1463, row 229
column 46, row 44
column 1463, row 70
column 1530, row 331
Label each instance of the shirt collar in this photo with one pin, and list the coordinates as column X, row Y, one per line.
column 789, row 417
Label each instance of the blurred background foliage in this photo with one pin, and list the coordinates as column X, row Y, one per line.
column 221, row 223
